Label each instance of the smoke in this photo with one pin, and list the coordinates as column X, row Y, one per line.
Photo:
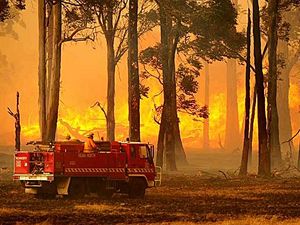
column 84, row 82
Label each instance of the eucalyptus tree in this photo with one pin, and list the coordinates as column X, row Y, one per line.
column 195, row 30
column 58, row 24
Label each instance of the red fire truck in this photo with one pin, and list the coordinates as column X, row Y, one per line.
column 63, row 168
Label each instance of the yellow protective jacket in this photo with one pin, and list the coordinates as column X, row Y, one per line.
column 89, row 146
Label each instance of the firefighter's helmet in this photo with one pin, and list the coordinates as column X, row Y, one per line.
column 91, row 135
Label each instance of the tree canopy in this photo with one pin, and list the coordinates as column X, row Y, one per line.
column 7, row 5
column 206, row 30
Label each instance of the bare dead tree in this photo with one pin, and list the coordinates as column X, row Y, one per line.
column 16, row 116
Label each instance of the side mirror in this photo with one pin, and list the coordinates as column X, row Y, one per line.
column 152, row 153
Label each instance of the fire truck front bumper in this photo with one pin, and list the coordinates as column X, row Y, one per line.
column 34, row 177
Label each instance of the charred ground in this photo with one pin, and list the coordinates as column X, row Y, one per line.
column 193, row 196
column 181, row 198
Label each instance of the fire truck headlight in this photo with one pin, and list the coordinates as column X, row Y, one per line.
column 50, row 178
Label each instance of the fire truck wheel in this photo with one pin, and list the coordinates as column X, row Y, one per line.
column 46, row 192
column 103, row 192
column 76, row 188
column 137, row 188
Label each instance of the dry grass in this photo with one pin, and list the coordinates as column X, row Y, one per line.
column 98, row 208
column 17, row 211
column 241, row 221
column 6, row 211
column 46, row 222
column 183, row 199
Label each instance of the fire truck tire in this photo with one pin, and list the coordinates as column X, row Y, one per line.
column 46, row 192
column 137, row 188
column 103, row 192
column 76, row 188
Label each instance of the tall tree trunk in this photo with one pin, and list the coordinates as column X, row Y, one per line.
column 298, row 163
column 273, row 128
column 54, row 90
column 244, row 163
column 111, row 67
column 232, row 132
column 206, row 102
column 133, row 73
column 161, row 139
column 251, row 129
column 42, row 68
column 49, row 48
column 285, row 125
column 179, row 150
column 264, row 166
column 166, row 25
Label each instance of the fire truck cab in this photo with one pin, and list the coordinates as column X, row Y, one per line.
column 63, row 168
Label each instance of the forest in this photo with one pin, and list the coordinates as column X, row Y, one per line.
column 214, row 85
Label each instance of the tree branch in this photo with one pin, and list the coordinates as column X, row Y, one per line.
column 292, row 137
column 265, row 49
column 121, row 48
column 153, row 76
column 244, row 60
column 10, row 112
column 102, row 109
column 75, row 32
column 120, row 11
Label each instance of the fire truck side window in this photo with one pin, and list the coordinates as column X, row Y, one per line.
column 143, row 152
column 132, row 151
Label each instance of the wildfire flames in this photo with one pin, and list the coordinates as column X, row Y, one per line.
column 78, row 124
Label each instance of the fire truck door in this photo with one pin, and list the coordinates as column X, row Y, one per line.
column 132, row 157
column 138, row 156
column 142, row 156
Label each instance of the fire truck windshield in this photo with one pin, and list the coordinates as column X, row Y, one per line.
column 143, row 152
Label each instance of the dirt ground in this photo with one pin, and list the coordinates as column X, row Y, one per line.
column 192, row 196
column 182, row 199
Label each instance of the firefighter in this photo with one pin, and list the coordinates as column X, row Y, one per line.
column 89, row 144
column 68, row 137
